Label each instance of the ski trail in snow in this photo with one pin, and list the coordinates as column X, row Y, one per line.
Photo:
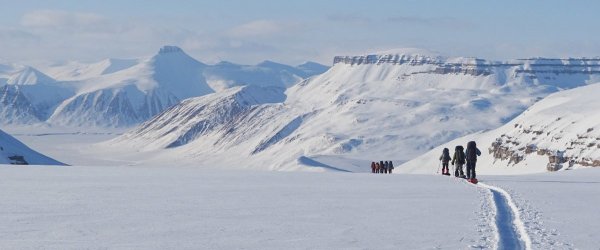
column 509, row 226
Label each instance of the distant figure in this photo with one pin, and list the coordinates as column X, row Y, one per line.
column 372, row 167
column 459, row 161
column 445, row 158
column 471, row 155
column 377, row 167
column 382, row 167
column 390, row 167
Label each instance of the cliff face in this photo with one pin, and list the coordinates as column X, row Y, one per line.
column 535, row 69
column 560, row 132
column 565, row 141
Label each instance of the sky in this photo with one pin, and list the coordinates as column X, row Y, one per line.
column 292, row 31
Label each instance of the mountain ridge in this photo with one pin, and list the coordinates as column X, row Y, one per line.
column 372, row 111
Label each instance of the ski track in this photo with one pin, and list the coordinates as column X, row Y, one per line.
column 510, row 229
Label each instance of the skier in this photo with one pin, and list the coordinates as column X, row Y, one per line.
column 387, row 167
column 382, row 167
column 390, row 167
column 458, row 161
column 372, row 167
column 471, row 155
column 377, row 167
column 445, row 158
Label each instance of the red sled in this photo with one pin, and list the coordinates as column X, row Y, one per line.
column 473, row 180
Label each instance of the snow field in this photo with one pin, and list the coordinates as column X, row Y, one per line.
column 511, row 232
column 186, row 208
column 558, row 210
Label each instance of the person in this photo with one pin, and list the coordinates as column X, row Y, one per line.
column 391, row 167
column 445, row 158
column 382, row 167
column 372, row 167
column 471, row 157
column 458, row 160
column 377, row 167
column 387, row 167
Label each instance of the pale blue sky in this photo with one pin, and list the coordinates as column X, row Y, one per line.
column 295, row 31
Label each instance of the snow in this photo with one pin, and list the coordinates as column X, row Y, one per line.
column 564, row 125
column 116, row 198
column 74, row 71
column 388, row 108
column 184, row 208
column 559, row 210
column 10, row 147
column 126, row 92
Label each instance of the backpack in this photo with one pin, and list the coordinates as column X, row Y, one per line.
column 471, row 151
column 446, row 155
column 460, row 155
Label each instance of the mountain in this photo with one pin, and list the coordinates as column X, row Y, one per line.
column 126, row 92
column 28, row 95
column 371, row 107
column 312, row 68
column 216, row 114
column 136, row 93
column 13, row 151
column 73, row 71
column 560, row 132
column 226, row 75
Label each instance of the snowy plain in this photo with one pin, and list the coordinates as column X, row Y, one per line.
column 106, row 207
column 559, row 210
column 192, row 208
column 119, row 197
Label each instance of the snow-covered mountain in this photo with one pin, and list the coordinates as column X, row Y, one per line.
column 136, row 93
column 12, row 151
column 394, row 105
column 28, row 95
column 561, row 131
column 73, row 70
column 226, row 75
column 125, row 92
column 217, row 114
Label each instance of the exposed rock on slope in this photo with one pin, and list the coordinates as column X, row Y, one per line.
column 559, row 132
column 387, row 106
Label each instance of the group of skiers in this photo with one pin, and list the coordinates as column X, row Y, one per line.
column 382, row 167
column 459, row 159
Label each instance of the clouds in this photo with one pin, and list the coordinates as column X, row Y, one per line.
column 256, row 28
column 71, row 35
column 285, row 31
column 66, row 21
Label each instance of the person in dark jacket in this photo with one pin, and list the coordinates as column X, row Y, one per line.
column 445, row 158
column 382, row 165
column 390, row 167
column 458, row 160
column 372, row 167
column 471, row 156
column 387, row 167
